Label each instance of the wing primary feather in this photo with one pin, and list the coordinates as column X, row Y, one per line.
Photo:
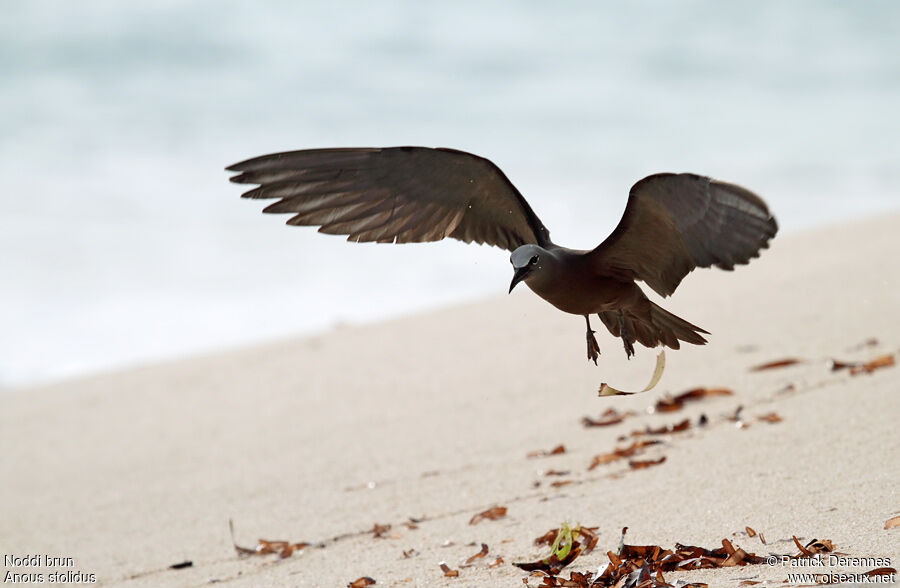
column 449, row 194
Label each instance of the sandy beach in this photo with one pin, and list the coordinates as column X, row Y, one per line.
column 430, row 418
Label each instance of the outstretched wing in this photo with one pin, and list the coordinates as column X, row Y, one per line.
column 674, row 223
column 395, row 195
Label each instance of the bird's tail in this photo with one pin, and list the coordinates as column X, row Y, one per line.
column 662, row 327
column 673, row 328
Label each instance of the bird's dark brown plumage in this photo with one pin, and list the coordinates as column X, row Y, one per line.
column 672, row 224
column 395, row 194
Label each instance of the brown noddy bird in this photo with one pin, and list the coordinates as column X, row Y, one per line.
column 672, row 224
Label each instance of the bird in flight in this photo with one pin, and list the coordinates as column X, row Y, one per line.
column 672, row 224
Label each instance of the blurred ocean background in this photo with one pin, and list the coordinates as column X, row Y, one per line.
column 122, row 242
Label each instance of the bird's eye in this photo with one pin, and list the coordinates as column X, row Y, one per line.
column 533, row 260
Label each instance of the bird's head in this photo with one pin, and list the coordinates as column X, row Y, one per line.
column 525, row 261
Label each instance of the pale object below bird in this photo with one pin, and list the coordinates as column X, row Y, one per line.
column 672, row 224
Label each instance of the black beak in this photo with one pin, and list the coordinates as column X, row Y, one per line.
column 518, row 276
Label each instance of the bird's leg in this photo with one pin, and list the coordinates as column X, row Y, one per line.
column 593, row 350
column 629, row 348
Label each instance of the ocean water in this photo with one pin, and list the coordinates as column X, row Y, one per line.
column 122, row 242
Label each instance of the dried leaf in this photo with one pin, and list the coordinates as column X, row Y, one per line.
column 641, row 464
column 870, row 366
column 604, row 458
column 547, row 538
column 622, row 540
column 607, row 390
column 665, row 429
column 672, row 403
column 610, row 416
column 700, row 393
column 813, row 547
column 564, row 550
column 837, row 365
column 557, row 472
column 282, row 548
column 823, row 546
column 729, row 548
column 802, row 549
column 408, row 553
column 892, row 523
column 241, row 551
column 479, row 555
column 379, row 531
column 735, row 559
column 770, row 417
column 494, row 513
column 544, row 453
column 561, row 483
column 448, row 572
column 881, row 572
column 750, row 532
column 264, row 547
column 589, row 538
column 621, row 453
column 776, row 364
column 642, row 565
column 496, row 562
column 361, row 582
column 666, row 403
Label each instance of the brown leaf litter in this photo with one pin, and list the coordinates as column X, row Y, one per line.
column 568, row 544
column 642, row 566
column 867, row 367
column 545, row 453
column 264, row 547
column 561, row 483
column 622, row 452
column 637, row 464
column 610, row 416
column 492, row 514
column 854, row 367
column 607, row 390
column 678, row 427
column 778, row 363
column 672, row 403
column 479, row 555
